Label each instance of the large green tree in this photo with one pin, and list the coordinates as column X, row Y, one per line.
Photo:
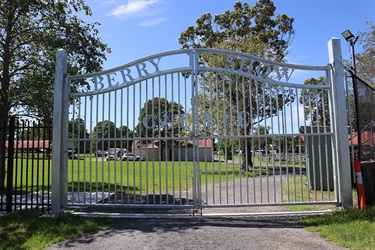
column 256, row 30
column 105, row 133
column 366, row 59
column 30, row 34
column 316, row 102
column 160, row 118
column 77, row 129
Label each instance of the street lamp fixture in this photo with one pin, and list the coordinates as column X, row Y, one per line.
column 347, row 35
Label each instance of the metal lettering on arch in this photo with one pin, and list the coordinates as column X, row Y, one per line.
column 199, row 129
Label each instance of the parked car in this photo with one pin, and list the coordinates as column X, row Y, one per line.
column 132, row 157
column 111, row 157
column 101, row 153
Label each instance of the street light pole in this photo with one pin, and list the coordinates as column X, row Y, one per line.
column 352, row 43
column 349, row 37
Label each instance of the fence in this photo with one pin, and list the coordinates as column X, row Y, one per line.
column 28, row 166
column 363, row 135
column 364, row 119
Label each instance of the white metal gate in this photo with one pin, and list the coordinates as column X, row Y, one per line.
column 196, row 129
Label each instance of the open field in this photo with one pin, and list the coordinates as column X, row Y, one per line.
column 93, row 174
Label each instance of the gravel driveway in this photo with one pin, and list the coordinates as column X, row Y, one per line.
column 201, row 233
column 195, row 232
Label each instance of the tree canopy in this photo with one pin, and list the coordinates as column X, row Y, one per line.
column 30, row 34
column 366, row 60
column 159, row 118
column 256, row 30
column 105, row 133
column 315, row 102
column 245, row 29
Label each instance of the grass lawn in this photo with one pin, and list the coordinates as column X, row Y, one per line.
column 350, row 228
column 97, row 175
column 26, row 230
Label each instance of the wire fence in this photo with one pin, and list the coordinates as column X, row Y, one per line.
column 363, row 119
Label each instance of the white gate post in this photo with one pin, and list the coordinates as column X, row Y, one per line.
column 340, row 122
column 59, row 156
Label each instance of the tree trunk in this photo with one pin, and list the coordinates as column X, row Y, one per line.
column 247, row 163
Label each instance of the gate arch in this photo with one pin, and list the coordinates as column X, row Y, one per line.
column 181, row 133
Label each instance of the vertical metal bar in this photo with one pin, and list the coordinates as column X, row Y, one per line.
column 84, row 148
column 166, row 148
column 299, row 147
column 98, row 141
column 273, row 143
column 103, row 142
column 153, row 136
column 246, row 150
column 179, row 136
column 38, row 137
column 194, row 82
column 258, row 138
column 91, row 99
column 186, row 153
column 140, row 135
column 227, row 140
column 110, row 145
column 122, row 144
column 18, row 170
column 147, row 143
column 160, row 136
column 9, row 192
column 116, row 150
column 265, row 85
column 49, row 165
column 293, row 158
column 27, row 163
column 252, row 121
column 170, row 153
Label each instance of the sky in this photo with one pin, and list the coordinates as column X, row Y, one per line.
column 135, row 29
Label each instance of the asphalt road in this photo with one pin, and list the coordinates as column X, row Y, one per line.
column 201, row 233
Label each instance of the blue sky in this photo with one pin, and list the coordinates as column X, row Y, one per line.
column 137, row 28
column 134, row 29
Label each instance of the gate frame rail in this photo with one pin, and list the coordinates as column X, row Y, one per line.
column 341, row 149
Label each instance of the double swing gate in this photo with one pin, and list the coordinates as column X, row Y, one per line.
column 195, row 129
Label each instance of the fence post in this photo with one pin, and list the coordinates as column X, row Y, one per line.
column 12, row 125
column 59, row 153
column 342, row 155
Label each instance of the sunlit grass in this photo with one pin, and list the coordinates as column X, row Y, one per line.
column 350, row 228
column 93, row 174
column 148, row 176
column 26, row 230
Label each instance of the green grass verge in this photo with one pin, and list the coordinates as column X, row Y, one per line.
column 350, row 228
column 26, row 230
column 132, row 177
column 297, row 190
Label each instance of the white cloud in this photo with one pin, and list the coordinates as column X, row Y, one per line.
column 135, row 8
column 153, row 22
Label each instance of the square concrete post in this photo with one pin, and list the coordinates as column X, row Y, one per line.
column 342, row 156
column 59, row 152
